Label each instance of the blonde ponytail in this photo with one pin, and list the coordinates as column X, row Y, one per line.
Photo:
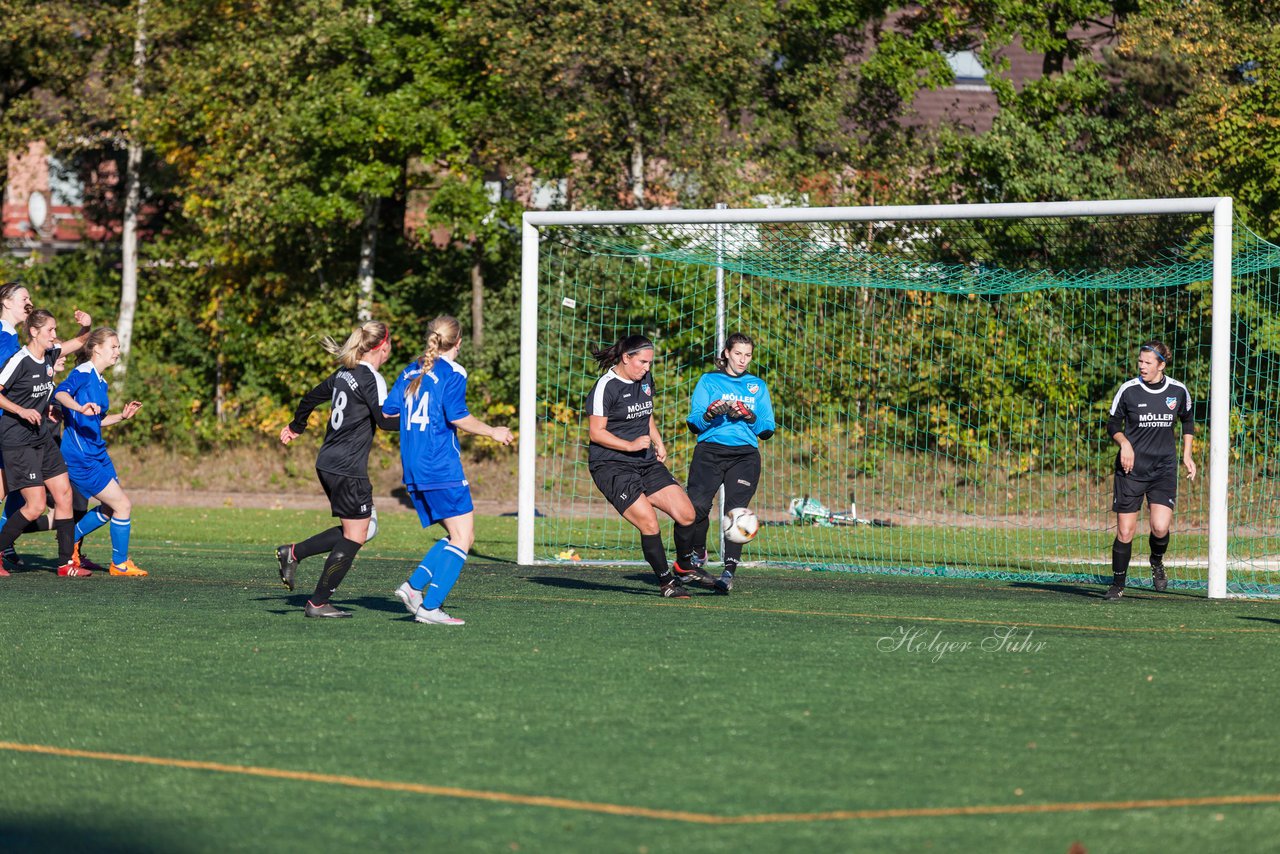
column 443, row 335
column 369, row 336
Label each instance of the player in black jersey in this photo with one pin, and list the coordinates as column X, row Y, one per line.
column 356, row 392
column 33, row 462
column 626, row 456
column 1147, row 415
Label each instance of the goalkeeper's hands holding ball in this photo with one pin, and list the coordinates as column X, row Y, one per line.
column 716, row 409
column 739, row 411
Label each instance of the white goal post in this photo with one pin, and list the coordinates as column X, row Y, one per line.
column 1219, row 395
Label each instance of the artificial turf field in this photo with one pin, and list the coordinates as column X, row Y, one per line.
column 197, row 710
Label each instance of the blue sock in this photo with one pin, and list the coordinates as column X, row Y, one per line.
column 444, row 574
column 120, row 529
column 422, row 575
column 90, row 522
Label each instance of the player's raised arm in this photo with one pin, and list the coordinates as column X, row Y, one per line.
column 77, row 342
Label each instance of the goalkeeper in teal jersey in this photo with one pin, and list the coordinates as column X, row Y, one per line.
column 730, row 412
column 430, row 398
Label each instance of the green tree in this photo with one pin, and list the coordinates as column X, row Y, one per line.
column 638, row 104
column 1212, row 78
column 47, row 52
column 287, row 120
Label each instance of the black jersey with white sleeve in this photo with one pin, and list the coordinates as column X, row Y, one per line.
column 28, row 382
column 355, row 397
column 628, row 406
column 1149, row 417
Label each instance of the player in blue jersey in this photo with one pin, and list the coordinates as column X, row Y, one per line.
column 430, row 399
column 15, row 308
column 730, row 412
column 85, row 401
column 1148, row 414
column 627, row 457
column 355, row 393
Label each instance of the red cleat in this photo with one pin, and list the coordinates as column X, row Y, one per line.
column 70, row 570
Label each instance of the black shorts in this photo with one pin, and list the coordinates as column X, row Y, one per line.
column 349, row 497
column 622, row 483
column 1129, row 490
column 31, row 465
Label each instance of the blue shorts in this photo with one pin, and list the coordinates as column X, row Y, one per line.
column 93, row 477
column 433, row 505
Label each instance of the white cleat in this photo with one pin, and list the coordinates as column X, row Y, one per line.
column 412, row 599
column 437, row 617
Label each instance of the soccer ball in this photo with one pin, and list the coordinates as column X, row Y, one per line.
column 740, row 525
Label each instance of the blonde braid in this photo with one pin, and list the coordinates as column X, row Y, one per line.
column 443, row 333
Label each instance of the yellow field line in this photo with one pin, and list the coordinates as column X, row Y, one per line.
column 642, row 812
column 364, row 783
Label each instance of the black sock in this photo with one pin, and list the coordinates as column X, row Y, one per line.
column 12, row 528
column 732, row 554
column 656, row 555
column 325, row 541
column 43, row 522
column 699, row 534
column 335, row 569
column 683, row 538
column 66, row 529
column 730, row 565
column 1159, row 545
column 1120, row 553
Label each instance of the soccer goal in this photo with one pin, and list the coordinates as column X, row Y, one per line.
column 941, row 377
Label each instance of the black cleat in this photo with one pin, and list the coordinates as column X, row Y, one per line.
column 673, row 589
column 1159, row 580
column 724, row 583
column 288, row 564
column 693, row 575
column 1113, row 593
column 325, row 610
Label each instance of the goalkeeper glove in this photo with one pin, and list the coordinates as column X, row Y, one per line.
column 739, row 411
column 719, row 407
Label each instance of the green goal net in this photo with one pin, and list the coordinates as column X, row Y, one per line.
column 941, row 386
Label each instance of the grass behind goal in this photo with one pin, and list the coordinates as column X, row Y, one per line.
column 938, row 375
column 578, row 711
